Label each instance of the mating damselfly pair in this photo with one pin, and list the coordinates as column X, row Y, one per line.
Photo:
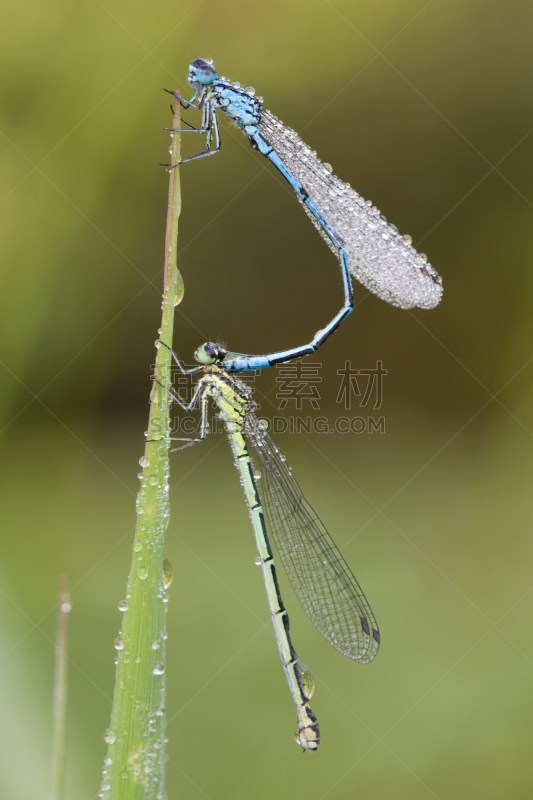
column 371, row 249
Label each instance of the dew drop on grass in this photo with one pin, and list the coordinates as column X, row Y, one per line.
column 110, row 736
column 180, row 290
column 167, row 573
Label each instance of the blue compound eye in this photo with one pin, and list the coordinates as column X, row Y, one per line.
column 202, row 72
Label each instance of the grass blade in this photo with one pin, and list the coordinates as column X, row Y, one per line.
column 134, row 767
column 60, row 693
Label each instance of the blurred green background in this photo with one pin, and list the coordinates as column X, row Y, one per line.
column 426, row 108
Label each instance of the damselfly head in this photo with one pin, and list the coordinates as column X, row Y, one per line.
column 210, row 353
column 202, row 73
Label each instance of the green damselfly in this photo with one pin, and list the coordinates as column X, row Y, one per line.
column 321, row 578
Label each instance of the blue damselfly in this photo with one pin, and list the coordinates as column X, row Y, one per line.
column 366, row 245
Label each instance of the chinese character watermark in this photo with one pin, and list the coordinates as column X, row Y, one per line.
column 297, row 384
column 350, row 386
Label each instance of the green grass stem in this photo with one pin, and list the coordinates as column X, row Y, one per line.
column 134, row 768
column 60, row 693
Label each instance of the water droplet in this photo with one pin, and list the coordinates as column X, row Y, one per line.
column 65, row 607
column 260, row 100
column 152, row 480
column 144, row 462
column 118, row 643
column 138, row 660
column 156, row 645
column 237, row 85
column 137, row 546
column 308, row 683
column 250, row 90
column 257, row 474
column 258, row 561
column 142, row 573
column 160, row 710
column 328, row 167
column 123, row 605
column 110, row 737
column 167, row 573
column 180, row 289
column 159, row 668
column 164, row 597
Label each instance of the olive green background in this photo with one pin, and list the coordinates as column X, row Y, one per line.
column 426, row 108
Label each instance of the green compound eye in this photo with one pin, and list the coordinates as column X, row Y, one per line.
column 210, row 352
column 205, row 354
